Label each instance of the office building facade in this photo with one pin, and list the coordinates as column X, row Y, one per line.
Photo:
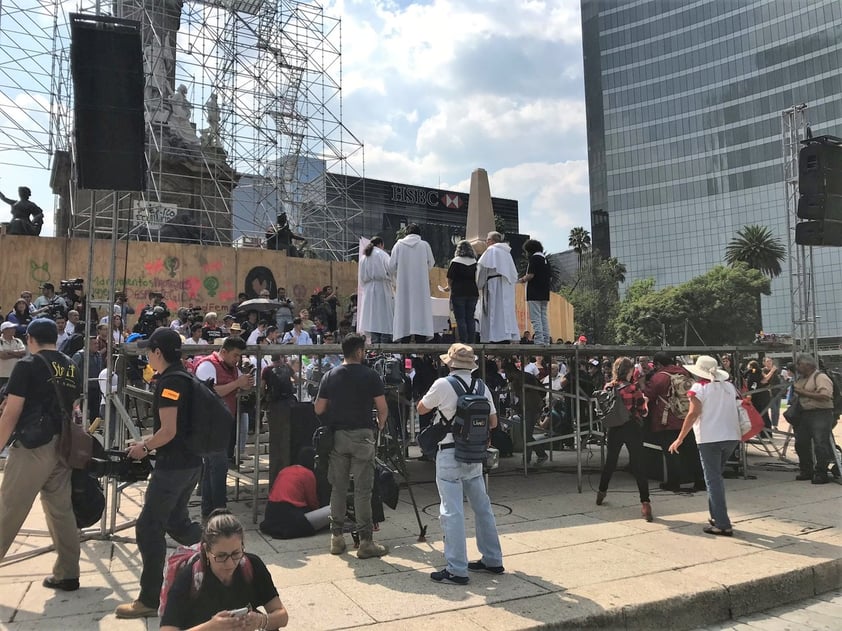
column 684, row 102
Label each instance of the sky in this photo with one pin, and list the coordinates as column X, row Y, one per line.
column 437, row 89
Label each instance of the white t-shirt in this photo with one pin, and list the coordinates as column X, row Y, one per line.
column 6, row 365
column 201, row 342
column 532, row 369
column 441, row 395
column 719, row 419
column 252, row 339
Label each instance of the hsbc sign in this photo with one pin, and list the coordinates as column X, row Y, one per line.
column 426, row 197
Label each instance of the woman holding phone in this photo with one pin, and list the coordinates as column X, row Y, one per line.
column 232, row 584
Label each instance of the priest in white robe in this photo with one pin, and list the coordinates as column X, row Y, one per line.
column 496, row 278
column 376, row 295
column 410, row 265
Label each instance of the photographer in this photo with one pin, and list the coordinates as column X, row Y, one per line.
column 345, row 400
column 34, row 465
column 122, row 306
column 48, row 304
column 284, row 313
column 223, row 368
column 175, row 476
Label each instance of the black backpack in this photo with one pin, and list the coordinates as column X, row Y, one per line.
column 610, row 409
column 210, row 419
column 836, row 378
column 470, row 423
column 279, row 384
column 88, row 498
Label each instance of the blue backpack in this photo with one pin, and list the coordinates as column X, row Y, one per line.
column 470, row 423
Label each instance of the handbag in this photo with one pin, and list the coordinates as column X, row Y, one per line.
column 35, row 429
column 751, row 423
column 793, row 411
column 430, row 437
column 75, row 445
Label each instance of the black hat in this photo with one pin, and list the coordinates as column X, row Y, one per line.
column 164, row 338
column 43, row 331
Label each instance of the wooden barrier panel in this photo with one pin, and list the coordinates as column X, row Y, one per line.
column 202, row 276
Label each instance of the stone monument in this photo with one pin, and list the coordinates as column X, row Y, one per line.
column 480, row 211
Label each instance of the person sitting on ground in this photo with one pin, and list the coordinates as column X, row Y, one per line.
column 229, row 578
column 293, row 509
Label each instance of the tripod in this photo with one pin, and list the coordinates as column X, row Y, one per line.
column 390, row 451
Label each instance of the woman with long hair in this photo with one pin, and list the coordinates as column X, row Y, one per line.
column 715, row 422
column 629, row 434
column 464, row 295
column 223, row 579
column 376, row 294
column 20, row 316
column 537, row 280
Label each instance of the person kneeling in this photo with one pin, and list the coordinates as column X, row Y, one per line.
column 293, row 510
column 226, row 597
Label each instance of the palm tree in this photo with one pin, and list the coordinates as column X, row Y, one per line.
column 759, row 249
column 580, row 241
column 617, row 269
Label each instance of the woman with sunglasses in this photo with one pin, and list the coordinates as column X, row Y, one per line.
column 230, row 580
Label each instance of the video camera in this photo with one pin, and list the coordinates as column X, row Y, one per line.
column 71, row 285
column 118, row 466
column 151, row 318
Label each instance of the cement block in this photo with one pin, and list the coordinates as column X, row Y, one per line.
column 86, row 622
column 827, row 575
column 12, row 595
column 322, row 607
column 564, row 610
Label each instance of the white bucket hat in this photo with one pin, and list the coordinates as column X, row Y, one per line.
column 707, row 367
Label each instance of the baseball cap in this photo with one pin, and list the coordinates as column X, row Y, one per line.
column 163, row 338
column 43, row 331
column 7, row 325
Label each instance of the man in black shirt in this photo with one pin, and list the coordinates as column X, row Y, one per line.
column 175, row 476
column 537, row 279
column 34, row 464
column 346, row 397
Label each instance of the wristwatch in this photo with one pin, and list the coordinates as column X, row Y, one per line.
column 145, row 448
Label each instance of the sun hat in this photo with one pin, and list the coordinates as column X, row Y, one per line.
column 235, row 328
column 459, row 357
column 707, row 367
column 7, row 325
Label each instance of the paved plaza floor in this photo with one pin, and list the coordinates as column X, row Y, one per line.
column 570, row 563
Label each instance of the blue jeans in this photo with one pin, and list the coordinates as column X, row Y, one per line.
column 164, row 512
column 454, row 478
column 463, row 312
column 214, row 482
column 538, row 318
column 714, row 456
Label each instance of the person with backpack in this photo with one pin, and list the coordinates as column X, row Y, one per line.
column 715, row 420
column 624, row 408
column 280, row 396
column 211, row 587
column 466, row 408
column 666, row 389
column 34, row 465
column 176, row 472
column 814, row 420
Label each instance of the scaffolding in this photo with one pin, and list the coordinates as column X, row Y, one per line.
column 242, row 103
column 800, row 258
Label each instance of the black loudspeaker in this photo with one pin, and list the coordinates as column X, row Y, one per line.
column 820, row 169
column 820, row 207
column 819, row 233
column 106, row 61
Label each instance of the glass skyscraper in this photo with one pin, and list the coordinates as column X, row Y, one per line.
column 684, row 102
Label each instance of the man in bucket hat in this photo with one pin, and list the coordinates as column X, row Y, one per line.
column 453, row 478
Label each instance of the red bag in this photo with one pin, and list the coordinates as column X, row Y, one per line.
column 757, row 424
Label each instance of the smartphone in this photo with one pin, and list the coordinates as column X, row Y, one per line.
column 238, row 613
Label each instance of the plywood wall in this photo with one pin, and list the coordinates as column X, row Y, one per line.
column 206, row 277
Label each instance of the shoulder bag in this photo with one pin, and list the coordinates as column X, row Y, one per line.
column 75, row 445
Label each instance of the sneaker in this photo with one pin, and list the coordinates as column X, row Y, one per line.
column 136, row 609
column 337, row 544
column 65, row 584
column 370, row 550
column 541, row 460
column 479, row 566
column 446, row 577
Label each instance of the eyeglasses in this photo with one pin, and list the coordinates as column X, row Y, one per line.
column 225, row 556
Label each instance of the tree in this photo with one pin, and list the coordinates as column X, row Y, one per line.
column 720, row 304
column 760, row 250
column 595, row 296
column 500, row 224
column 616, row 269
column 580, row 241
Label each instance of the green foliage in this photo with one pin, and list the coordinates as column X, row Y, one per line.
column 721, row 305
column 580, row 241
column 595, row 296
column 500, row 224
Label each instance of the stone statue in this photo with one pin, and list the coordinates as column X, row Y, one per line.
column 210, row 136
column 22, row 210
column 179, row 123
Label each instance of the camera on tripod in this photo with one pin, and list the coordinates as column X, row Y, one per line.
column 118, row 466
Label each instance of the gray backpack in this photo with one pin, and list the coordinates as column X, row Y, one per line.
column 470, row 423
